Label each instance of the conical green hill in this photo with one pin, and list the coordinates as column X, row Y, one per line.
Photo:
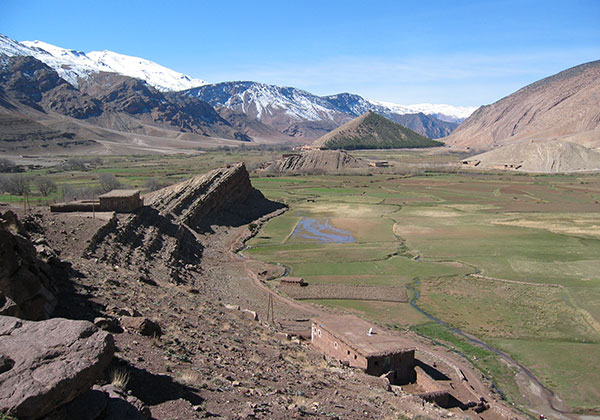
column 372, row 131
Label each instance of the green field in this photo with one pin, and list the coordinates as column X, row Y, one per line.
column 512, row 259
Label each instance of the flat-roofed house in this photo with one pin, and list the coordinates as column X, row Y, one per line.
column 360, row 344
column 122, row 201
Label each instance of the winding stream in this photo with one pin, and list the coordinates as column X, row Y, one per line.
column 547, row 395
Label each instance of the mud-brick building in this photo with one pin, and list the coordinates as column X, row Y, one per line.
column 122, row 201
column 361, row 344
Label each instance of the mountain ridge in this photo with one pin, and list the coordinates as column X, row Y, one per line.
column 562, row 106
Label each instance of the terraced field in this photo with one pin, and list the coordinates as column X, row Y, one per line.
column 513, row 260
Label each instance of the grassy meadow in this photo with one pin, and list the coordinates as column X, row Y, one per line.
column 512, row 259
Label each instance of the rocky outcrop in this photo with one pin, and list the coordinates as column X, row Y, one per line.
column 26, row 281
column 165, row 235
column 49, row 363
column 315, row 161
column 192, row 202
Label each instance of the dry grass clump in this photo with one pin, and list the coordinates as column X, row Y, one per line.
column 188, row 377
column 119, row 377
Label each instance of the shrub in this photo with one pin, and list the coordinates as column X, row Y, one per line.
column 109, row 182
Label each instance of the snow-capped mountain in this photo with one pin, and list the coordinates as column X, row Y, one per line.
column 285, row 107
column 444, row 112
column 264, row 101
column 289, row 110
column 72, row 65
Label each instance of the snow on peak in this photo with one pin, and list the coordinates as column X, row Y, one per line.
column 154, row 74
column 72, row 64
column 444, row 112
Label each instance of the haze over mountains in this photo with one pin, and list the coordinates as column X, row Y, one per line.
column 159, row 98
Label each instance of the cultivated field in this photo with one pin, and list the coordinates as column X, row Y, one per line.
column 511, row 259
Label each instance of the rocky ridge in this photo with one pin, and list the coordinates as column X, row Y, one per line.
column 164, row 237
column 315, row 161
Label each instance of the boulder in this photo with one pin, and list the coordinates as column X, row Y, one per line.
column 26, row 281
column 141, row 325
column 49, row 363
column 108, row 324
column 103, row 403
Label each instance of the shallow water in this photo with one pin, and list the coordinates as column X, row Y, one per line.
column 315, row 229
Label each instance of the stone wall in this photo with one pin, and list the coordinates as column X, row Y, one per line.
column 399, row 364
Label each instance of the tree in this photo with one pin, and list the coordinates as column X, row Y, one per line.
column 7, row 165
column 75, row 164
column 153, row 184
column 45, row 185
column 109, row 182
column 17, row 184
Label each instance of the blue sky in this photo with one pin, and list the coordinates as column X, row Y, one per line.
column 459, row 52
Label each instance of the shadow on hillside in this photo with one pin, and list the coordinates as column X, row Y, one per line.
column 253, row 208
column 154, row 389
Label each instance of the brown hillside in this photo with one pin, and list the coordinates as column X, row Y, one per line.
column 546, row 157
column 564, row 106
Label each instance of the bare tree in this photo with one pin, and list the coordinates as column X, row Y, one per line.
column 109, row 182
column 153, row 184
column 17, row 184
column 7, row 165
column 45, row 185
column 74, row 164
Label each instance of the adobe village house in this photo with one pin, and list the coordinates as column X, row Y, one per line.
column 120, row 201
column 357, row 343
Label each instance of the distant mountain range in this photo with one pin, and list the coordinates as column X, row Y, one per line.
column 283, row 112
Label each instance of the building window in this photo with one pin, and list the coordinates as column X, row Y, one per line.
column 348, row 352
column 335, row 344
column 355, row 357
column 319, row 333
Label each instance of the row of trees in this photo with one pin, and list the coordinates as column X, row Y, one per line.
column 21, row 184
